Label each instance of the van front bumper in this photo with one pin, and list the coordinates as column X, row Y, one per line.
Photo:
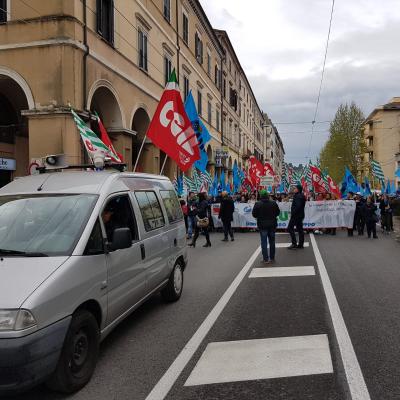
column 28, row 360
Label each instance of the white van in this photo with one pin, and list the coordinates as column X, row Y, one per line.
column 79, row 251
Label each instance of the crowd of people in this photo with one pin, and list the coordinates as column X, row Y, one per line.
column 369, row 211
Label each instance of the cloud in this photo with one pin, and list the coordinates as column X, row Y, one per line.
column 281, row 43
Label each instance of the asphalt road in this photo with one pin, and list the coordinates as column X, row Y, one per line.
column 266, row 312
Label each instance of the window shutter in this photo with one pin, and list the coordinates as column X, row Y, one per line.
column 145, row 51
column 99, row 13
column 111, row 22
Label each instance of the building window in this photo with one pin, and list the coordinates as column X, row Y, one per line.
column 105, row 19
column 167, row 10
column 224, row 88
column 240, row 138
column 230, row 65
column 233, row 98
column 208, row 64
column 370, row 141
column 142, row 49
column 217, row 77
column 167, row 68
column 186, row 87
column 3, row 11
column 217, row 116
column 199, row 103
column 185, row 30
column 198, row 48
column 209, row 112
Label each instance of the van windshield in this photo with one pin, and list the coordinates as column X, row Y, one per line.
column 42, row 225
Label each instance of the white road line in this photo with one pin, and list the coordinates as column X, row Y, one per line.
column 166, row 382
column 355, row 378
column 280, row 245
column 276, row 272
column 246, row 360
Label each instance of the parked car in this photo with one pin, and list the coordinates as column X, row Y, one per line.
column 79, row 251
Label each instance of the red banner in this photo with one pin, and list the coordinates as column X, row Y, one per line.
column 317, row 180
column 256, row 170
column 171, row 130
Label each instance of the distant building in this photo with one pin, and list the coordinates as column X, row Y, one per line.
column 274, row 150
column 382, row 136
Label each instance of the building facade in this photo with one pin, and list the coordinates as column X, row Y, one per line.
column 382, row 136
column 273, row 148
column 113, row 58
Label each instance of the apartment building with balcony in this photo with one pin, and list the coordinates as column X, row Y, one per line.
column 382, row 137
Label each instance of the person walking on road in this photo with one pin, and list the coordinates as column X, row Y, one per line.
column 369, row 212
column 296, row 218
column 201, row 212
column 266, row 212
column 226, row 211
column 191, row 214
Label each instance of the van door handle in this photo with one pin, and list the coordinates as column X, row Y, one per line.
column 175, row 242
column 143, row 251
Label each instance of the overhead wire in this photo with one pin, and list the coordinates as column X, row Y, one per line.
column 321, row 81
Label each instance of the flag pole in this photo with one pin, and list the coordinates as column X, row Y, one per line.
column 140, row 152
column 165, row 161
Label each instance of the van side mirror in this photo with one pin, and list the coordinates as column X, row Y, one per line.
column 122, row 239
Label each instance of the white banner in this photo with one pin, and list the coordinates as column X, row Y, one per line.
column 318, row 214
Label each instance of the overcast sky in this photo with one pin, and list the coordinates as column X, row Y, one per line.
column 281, row 45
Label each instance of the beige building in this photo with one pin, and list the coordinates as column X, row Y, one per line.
column 242, row 119
column 113, row 58
column 382, row 135
column 273, row 149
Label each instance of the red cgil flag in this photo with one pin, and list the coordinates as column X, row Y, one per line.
column 317, row 180
column 334, row 189
column 171, row 130
column 116, row 157
column 256, row 170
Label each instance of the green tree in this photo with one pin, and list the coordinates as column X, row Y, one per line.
column 346, row 145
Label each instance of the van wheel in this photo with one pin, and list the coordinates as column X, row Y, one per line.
column 79, row 354
column 173, row 290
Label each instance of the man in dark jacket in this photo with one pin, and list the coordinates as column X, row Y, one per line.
column 296, row 218
column 266, row 212
column 226, row 211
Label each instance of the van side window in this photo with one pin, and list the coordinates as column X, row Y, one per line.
column 150, row 208
column 95, row 244
column 172, row 205
column 118, row 214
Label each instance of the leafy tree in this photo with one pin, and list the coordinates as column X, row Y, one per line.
column 346, row 145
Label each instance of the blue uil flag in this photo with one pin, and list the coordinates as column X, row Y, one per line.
column 203, row 136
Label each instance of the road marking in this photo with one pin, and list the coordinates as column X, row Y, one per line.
column 355, row 379
column 279, row 245
column 247, row 360
column 281, row 271
column 166, row 382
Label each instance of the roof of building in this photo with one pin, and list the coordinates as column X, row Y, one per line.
column 198, row 9
column 392, row 105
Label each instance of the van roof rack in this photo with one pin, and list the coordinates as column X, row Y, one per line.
column 121, row 167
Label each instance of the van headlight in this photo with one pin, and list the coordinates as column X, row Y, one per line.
column 16, row 320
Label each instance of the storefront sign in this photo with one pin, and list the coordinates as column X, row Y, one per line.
column 8, row 164
column 318, row 214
